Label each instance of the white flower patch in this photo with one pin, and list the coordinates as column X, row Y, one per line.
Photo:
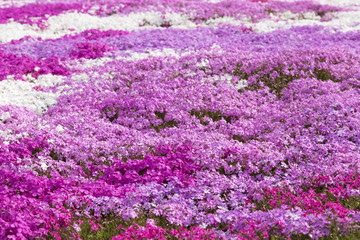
column 285, row 15
column 76, row 227
column 265, row 25
column 9, row 3
column 133, row 56
column 14, row 30
column 165, row 52
column 345, row 21
column 242, row 83
column 227, row 78
column 22, row 93
column 48, row 80
column 203, row 63
column 178, row 20
column 341, row 21
column 74, row 22
column 5, row 116
column 43, row 163
column 226, row 20
column 89, row 63
column 293, row 216
column 338, row 3
column 81, row 77
column 59, row 129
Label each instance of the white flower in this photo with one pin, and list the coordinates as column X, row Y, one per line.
column 59, row 129
column 77, row 227
column 150, row 222
column 43, row 166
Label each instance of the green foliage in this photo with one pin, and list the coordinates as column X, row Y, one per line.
column 110, row 226
column 215, row 116
column 169, row 124
column 109, row 229
column 283, row 76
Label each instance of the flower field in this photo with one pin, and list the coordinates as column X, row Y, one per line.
column 176, row 119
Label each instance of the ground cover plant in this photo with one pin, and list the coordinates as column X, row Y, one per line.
column 173, row 119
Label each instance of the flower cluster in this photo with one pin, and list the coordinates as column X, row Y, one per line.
column 179, row 120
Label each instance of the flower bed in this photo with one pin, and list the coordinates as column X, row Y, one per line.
column 178, row 119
